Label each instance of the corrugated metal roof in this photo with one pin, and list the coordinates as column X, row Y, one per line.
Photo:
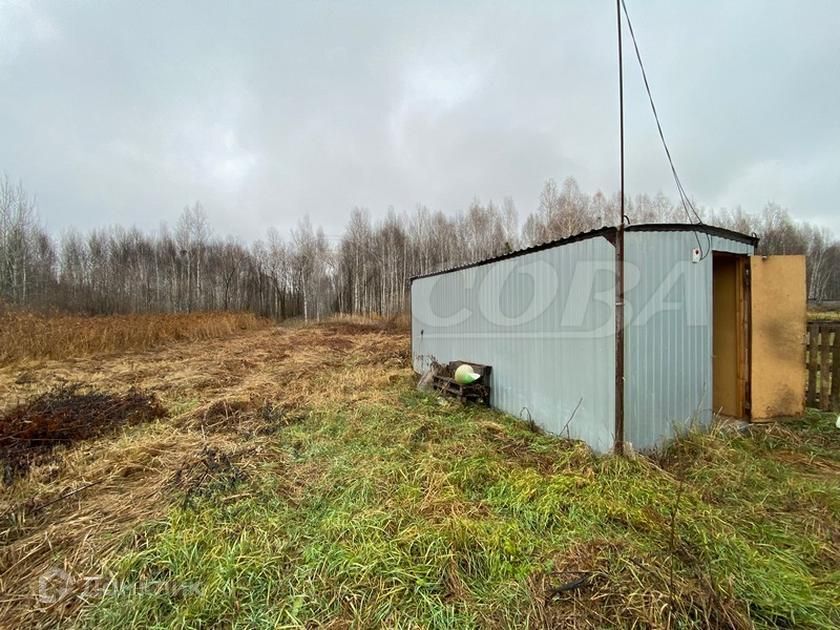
column 607, row 232
column 712, row 230
column 602, row 231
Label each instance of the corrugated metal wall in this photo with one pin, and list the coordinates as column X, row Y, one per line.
column 668, row 351
column 543, row 320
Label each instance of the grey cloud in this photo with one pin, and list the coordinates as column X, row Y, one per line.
column 125, row 112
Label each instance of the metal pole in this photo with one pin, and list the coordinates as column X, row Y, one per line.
column 620, row 107
column 619, row 260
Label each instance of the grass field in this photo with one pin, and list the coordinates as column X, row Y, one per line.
column 298, row 479
column 29, row 336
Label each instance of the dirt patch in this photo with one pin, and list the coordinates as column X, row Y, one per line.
column 210, row 471
column 520, row 450
column 65, row 415
column 272, row 418
column 337, row 344
column 353, row 328
column 246, row 417
column 596, row 584
column 226, row 409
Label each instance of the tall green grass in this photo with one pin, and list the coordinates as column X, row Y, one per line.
column 429, row 514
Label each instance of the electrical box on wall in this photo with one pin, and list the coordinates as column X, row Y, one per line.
column 695, row 255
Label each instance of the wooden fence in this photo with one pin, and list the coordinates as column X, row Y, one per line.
column 822, row 356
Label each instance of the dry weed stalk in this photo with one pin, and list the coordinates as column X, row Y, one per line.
column 26, row 335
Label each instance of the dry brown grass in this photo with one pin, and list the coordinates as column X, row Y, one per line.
column 398, row 321
column 222, row 395
column 55, row 518
column 29, row 336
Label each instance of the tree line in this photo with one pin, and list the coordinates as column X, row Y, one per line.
column 305, row 274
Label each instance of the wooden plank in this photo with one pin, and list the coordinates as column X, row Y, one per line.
column 825, row 370
column 813, row 334
column 835, row 372
column 777, row 336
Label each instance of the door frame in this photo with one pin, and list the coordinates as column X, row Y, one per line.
column 741, row 264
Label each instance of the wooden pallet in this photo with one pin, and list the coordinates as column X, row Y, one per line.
column 478, row 391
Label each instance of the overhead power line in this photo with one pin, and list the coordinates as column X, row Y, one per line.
column 687, row 205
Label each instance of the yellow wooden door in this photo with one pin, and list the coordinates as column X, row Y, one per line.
column 777, row 336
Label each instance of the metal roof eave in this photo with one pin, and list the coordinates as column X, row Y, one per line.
column 608, row 232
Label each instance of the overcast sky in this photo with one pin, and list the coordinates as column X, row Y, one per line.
column 124, row 112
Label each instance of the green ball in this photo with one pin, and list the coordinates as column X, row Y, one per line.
column 465, row 375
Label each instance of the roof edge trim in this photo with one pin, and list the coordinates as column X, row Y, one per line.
column 582, row 236
column 712, row 230
column 607, row 232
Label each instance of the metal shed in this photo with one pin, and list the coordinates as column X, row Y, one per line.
column 544, row 318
